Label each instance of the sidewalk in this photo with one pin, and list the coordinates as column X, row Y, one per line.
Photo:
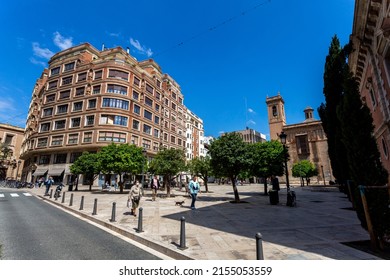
column 221, row 230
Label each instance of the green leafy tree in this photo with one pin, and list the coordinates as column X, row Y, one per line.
column 168, row 163
column 335, row 67
column 229, row 157
column 5, row 152
column 201, row 167
column 87, row 163
column 267, row 160
column 120, row 159
column 304, row 169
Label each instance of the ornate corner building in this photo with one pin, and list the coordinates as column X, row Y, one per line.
column 11, row 138
column 87, row 99
column 305, row 140
column 370, row 64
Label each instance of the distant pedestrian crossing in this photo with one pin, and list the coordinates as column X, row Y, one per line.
column 14, row 195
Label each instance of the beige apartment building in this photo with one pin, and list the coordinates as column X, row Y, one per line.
column 11, row 138
column 87, row 99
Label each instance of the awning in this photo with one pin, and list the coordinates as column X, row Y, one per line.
column 40, row 171
column 56, row 170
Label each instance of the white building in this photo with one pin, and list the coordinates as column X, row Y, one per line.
column 195, row 136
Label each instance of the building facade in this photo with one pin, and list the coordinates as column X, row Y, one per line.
column 87, row 99
column 305, row 140
column 11, row 138
column 195, row 136
column 370, row 63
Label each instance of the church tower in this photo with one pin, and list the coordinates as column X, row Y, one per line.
column 276, row 115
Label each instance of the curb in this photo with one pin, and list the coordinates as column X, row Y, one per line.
column 153, row 245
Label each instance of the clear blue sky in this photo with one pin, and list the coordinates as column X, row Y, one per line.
column 227, row 55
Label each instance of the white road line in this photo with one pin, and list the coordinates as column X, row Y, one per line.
column 14, row 194
column 1, row 195
column 27, row 194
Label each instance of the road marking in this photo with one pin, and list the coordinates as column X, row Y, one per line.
column 27, row 194
column 1, row 195
column 14, row 194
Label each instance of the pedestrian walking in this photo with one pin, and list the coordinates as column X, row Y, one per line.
column 116, row 184
column 194, row 189
column 135, row 197
column 48, row 183
column 154, row 185
column 275, row 183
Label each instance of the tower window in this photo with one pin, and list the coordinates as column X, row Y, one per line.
column 274, row 111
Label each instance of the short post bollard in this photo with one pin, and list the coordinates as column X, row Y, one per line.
column 51, row 193
column 82, row 203
column 259, row 246
column 140, row 220
column 182, row 233
column 95, row 207
column 63, row 198
column 113, row 212
column 55, row 196
column 71, row 200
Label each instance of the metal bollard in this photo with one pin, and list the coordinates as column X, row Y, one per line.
column 182, row 233
column 95, row 207
column 259, row 246
column 113, row 212
column 140, row 220
column 82, row 203
column 55, row 196
column 63, row 198
column 71, row 200
column 51, row 193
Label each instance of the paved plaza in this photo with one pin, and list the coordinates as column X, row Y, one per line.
column 221, row 230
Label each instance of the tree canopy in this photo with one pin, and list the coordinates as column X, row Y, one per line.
column 201, row 167
column 304, row 169
column 87, row 163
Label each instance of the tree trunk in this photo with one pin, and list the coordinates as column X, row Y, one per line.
column 236, row 196
column 265, row 186
column 205, row 184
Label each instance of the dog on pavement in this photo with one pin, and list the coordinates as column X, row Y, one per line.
column 179, row 203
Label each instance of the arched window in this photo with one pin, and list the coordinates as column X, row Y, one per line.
column 274, row 111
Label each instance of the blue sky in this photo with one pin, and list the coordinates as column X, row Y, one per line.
column 227, row 55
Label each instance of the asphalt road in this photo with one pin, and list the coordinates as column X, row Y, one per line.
column 31, row 229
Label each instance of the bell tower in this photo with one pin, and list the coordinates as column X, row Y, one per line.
column 276, row 115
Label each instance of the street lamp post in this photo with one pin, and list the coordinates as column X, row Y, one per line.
column 283, row 139
column 143, row 166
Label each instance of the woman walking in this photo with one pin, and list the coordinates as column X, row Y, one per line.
column 135, row 197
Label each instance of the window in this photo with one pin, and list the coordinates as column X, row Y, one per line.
column 135, row 95
column 173, row 95
column 112, row 137
column 75, row 122
column 137, row 81
column 147, row 129
column 149, row 88
column 120, row 120
column 74, row 156
column 96, row 89
column 173, row 139
column 73, row 138
column 59, row 158
column 146, row 143
column 274, row 111
column 69, row 66
column 64, row 94
column 134, row 140
column 117, row 74
column 80, row 91
column 55, row 71
column 302, row 145
column 91, row 103
column 136, row 124
column 89, row 120
column 137, row 109
column 42, row 142
column 115, row 103
column 165, row 137
column 117, row 89
column 180, row 100
column 78, row 106
column 147, row 114
column 67, row 80
column 62, row 109
column 173, row 105
column 87, row 137
column 48, row 112
column 156, row 133
column 158, row 83
column 82, row 77
column 53, row 84
column 156, row 120
column 50, row 98
column 98, row 74
column 157, row 107
column 57, row 140
column 44, row 159
column 59, row 124
column 148, row 101
column 179, row 141
column 158, row 95
column 173, row 127
column 155, row 146
column 111, row 119
column 45, row 127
